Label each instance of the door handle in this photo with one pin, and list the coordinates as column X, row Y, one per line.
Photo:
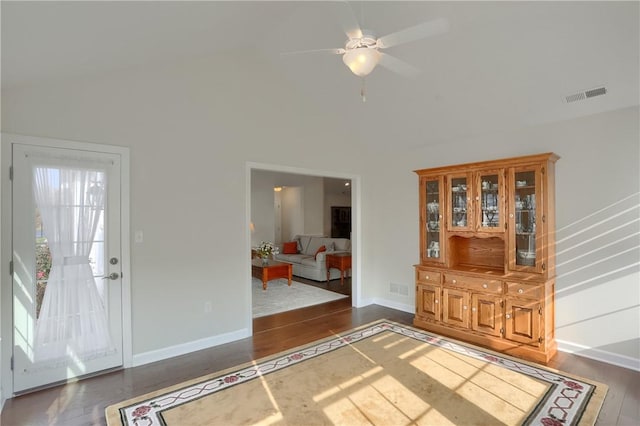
column 112, row 276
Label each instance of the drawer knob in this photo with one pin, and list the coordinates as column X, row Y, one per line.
column 508, row 316
column 485, row 285
column 473, row 309
column 437, row 301
column 426, row 277
column 520, row 291
column 465, row 307
column 454, row 281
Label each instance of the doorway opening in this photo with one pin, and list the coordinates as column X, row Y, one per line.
column 289, row 204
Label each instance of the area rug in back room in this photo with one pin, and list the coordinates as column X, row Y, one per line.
column 279, row 296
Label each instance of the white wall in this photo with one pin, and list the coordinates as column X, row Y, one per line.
column 262, row 208
column 597, row 215
column 192, row 128
column 277, row 217
column 293, row 200
column 314, row 206
column 2, row 328
column 191, row 132
column 300, row 206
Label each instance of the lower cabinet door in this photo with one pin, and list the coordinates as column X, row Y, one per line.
column 428, row 301
column 455, row 307
column 487, row 314
column 523, row 319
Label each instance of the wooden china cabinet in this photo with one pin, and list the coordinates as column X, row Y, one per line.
column 487, row 257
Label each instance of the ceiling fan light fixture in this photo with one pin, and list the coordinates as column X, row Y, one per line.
column 361, row 61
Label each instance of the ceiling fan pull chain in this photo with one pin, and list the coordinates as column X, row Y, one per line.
column 363, row 91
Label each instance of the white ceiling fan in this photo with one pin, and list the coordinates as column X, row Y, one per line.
column 362, row 50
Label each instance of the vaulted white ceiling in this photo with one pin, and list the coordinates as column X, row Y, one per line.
column 501, row 66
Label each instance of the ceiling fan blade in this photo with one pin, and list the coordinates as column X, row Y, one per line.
column 348, row 19
column 396, row 65
column 338, row 51
column 424, row 30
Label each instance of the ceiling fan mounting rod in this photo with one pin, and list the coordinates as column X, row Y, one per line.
column 366, row 41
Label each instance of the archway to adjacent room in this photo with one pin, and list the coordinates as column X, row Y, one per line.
column 272, row 189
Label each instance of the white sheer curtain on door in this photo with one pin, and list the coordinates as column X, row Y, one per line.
column 72, row 324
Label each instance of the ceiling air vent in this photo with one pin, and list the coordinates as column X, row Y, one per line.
column 586, row 94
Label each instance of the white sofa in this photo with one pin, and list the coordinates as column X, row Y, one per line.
column 305, row 262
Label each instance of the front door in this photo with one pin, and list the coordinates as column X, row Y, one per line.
column 67, row 286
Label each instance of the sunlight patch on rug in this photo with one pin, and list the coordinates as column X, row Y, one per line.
column 384, row 373
column 279, row 297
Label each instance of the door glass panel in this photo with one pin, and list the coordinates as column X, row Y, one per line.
column 489, row 201
column 433, row 219
column 43, row 262
column 459, row 201
column 525, row 218
column 67, row 320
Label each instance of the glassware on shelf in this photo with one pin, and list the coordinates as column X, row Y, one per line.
column 489, row 200
column 459, row 201
column 525, row 218
column 433, row 219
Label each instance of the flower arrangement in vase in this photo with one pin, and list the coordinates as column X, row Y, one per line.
column 266, row 249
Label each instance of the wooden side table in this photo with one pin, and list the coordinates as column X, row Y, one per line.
column 341, row 261
column 270, row 271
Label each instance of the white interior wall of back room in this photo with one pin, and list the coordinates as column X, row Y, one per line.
column 597, row 223
column 302, row 207
column 186, row 126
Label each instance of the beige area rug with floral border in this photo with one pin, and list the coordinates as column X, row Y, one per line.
column 383, row 373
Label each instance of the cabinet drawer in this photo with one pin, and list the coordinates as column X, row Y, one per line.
column 427, row 276
column 474, row 284
column 530, row 291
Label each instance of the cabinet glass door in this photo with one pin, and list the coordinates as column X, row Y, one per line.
column 490, row 202
column 525, row 207
column 433, row 222
column 460, row 200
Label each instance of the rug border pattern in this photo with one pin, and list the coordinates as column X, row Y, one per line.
column 563, row 404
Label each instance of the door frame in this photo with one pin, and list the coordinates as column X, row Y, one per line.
column 6, row 226
column 356, row 227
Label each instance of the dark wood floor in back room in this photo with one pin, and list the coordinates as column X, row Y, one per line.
column 83, row 403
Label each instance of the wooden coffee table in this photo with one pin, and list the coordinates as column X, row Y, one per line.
column 340, row 261
column 270, row 271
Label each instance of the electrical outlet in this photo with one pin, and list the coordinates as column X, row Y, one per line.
column 207, row 307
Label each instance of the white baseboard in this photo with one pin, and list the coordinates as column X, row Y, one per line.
column 364, row 302
column 394, row 305
column 185, row 348
column 599, row 355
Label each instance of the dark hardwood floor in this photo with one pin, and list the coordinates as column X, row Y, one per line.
column 83, row 402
